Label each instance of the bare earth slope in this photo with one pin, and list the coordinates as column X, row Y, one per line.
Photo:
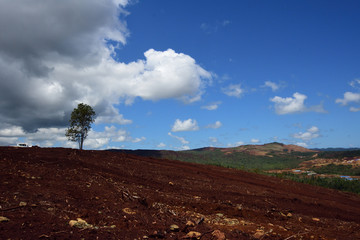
column 122, row 196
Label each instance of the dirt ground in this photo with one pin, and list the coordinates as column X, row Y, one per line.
column 56, row 193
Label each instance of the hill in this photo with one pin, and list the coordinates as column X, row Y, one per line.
column 55, row 193
column 262, row 157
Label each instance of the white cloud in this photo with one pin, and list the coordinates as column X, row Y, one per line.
column 274, row 87
column 212, row 106
column 12, row 131
column 110, row 134
column 181, row 139
column 49, row 137
column 254, row 140
column 354, row 109
column 112, row 115
column 355, row 83
column 136, row 140
column 236, row 144
column 183, row 148
column 289, row 105
column 349, row 97
column 310, row 134
column 161, row 145
column 233, row 90
column 214, row 27
column 186, row 125
column 215, row 125
column 213, row 139
column 65, row 61
column 294, row 104
column 302, row 144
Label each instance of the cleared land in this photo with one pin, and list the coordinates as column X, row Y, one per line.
column 122, row 196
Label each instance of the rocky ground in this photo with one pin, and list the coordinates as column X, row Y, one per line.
column 55, row 193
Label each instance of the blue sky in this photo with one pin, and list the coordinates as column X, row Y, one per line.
column 185, row 74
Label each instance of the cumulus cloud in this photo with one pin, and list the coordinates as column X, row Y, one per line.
column 110, row 134
column 349, row 97
column 186, row 125
column 310, row 134
column 215, row 125
column 233, row 90
column 56, row 54
column 254, row 140
column 212, row 106
column 294, row 104
column 49, row 137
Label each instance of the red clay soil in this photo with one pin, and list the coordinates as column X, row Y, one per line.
column 120, row 196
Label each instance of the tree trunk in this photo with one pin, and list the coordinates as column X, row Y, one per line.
column 81, row 142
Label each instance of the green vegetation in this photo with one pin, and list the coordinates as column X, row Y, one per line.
column 273, row 156
column 338, row 169
column 339, row 154
column 80, row 123
column 334, row 183
column 240, row 160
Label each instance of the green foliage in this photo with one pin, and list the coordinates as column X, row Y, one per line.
column 338, row 169
column 334, row 183
column 339, row 154
column 80, row 123
column 240, row 160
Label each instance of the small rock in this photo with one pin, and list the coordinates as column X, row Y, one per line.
column 4, row 219
column 259, row 234
column 190, row 224
column 171, row 183
column 22, row 204
column 197, row 197
column 129, row 211
column 289, row 215
column 218, row 235
column 193, row 234
column 219, row 214
column 174, row 228
column 80, row 223
column 316, row 219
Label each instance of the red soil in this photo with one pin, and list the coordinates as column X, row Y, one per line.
column 129, row 197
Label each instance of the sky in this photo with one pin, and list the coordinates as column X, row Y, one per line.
column 183, row 74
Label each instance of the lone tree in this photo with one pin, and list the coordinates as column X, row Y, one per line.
column 80, row 123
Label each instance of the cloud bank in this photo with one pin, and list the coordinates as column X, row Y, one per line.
column 59, row 53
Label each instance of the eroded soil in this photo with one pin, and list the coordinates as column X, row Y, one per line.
column 122, row 196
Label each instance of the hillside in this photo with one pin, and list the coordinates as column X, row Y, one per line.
column 120, row 196
column 263, row 157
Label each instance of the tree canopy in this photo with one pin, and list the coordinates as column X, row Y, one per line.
column 80, row 123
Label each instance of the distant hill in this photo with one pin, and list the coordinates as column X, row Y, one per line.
column 263, row 157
